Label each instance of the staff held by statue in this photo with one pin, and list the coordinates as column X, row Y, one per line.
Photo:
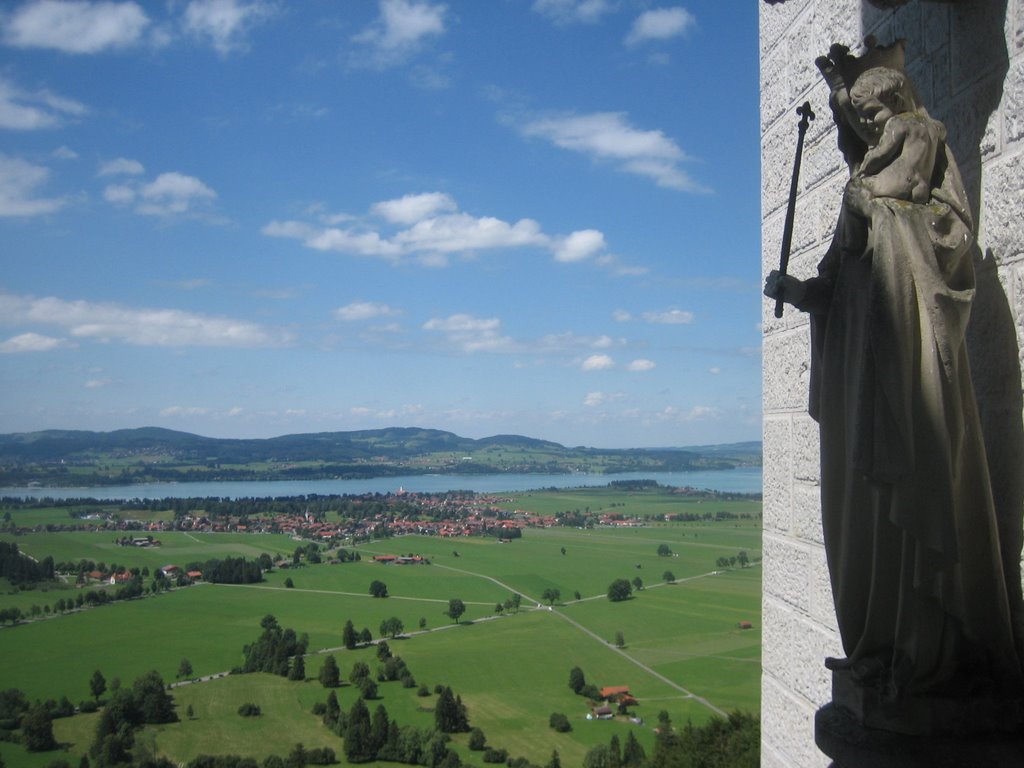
column 806, row 115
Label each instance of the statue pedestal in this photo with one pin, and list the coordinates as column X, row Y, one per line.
column 850, row 744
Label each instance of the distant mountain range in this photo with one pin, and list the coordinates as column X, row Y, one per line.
column 64, row 457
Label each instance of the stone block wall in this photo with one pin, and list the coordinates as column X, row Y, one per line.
column 967, row 62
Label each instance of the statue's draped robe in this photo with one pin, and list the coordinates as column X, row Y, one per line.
column 909, row 526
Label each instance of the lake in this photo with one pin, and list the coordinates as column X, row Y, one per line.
column 743, row 480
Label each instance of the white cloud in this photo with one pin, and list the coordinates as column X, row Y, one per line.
column 349, row 241
column 429, row 228
column 607, row 136
column 169, row 194
column 641, row 365
column 580, row 245
column 412, row 208
column 97, row 383
column 30, row 342
column 573, row 11
column 400, row 29
column 597, row 363
column 471, row 334
column 181, row 410
column 140, row 326
column 714, row 371
column 461, row 232
column 669, row 317
column 64, row 152
column 364, row 310
column 225, row 23
column 75, row 26
column 621, row 316
column 696, row 413
column 660, row 24
column 19, row 182
column 121, row 166
column 28, row 111
column 594, row 399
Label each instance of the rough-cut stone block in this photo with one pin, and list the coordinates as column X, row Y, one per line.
column 809, row 646
column 1013, row 103
column 776, row 474
column 806, row 460
column 822, row 606
column 776, row 170
column 774, row 21
column 786, row 371
column 806, row 514
column 786, row 571
column 831, row 23
column 1015, row 22
column 774, row 90
column 978, row 45
column 935, row 20
column 1002, row 227
column 787, row 725
column 775, row 622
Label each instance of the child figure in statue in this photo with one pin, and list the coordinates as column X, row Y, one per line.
column 907, row 514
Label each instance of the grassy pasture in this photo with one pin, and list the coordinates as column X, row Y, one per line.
column 176, row 547
column 512, row 672
column 644, row 502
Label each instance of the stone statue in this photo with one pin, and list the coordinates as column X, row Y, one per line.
column 909, row 526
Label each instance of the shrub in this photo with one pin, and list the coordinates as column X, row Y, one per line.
column 249, row 710
column 477, row 740
column 560, row 722
column 492, row 755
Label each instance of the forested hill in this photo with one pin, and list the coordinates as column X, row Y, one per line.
column 154, row 454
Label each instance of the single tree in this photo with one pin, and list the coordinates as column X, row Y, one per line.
column 185, row 668
column 743, row 558
column 455, row 609
column 423, row 622
column 555, row 761
column 633, row 754
column 669, row 577
column 298, row 669
column 288, row 583
column 378, row 588
column 576, row 679
column 330, row 675
column 578, row 597
column 190, row 713
column 551, row 595
column 614, row 752
column 365, row 636
column 620, row 639
column 619, row 590
column 392, row 627
column 37, row 730
column 348, row 635
column 97, row 684
column 664, row 550
column 638, row 583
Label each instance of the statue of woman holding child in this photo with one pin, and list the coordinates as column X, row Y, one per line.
column 909, row 525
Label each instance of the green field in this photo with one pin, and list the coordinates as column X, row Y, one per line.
column 684, row 651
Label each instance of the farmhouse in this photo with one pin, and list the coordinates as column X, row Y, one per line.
column 618, row 694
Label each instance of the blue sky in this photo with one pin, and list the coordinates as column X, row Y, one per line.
column 247, row 218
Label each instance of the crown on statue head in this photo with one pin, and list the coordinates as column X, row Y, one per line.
column 841, row 70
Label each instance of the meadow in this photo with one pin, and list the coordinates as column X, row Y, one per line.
column 684, row 651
